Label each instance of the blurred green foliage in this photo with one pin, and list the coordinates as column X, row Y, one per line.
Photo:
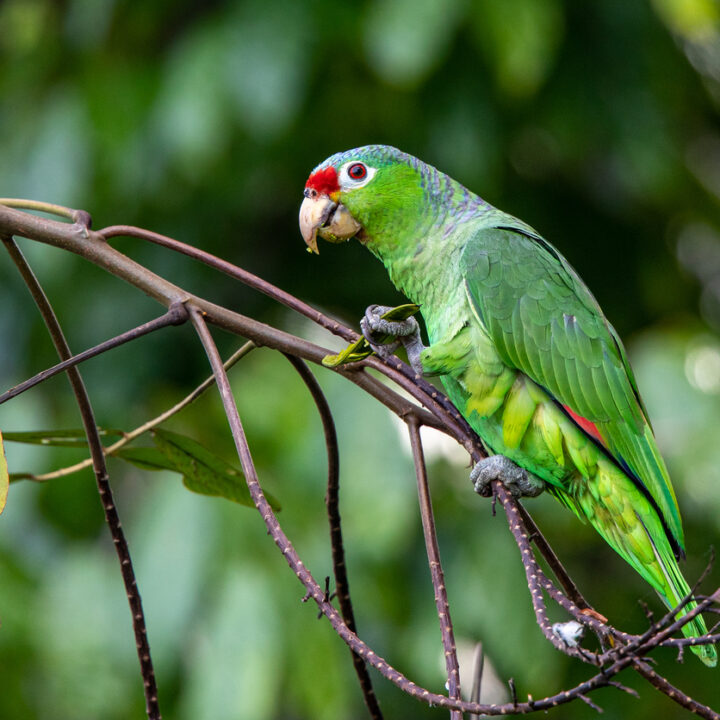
column 596, row 122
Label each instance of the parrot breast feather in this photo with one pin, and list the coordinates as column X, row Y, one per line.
column 545, row 322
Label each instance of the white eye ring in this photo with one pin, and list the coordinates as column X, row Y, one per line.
column 350, row 183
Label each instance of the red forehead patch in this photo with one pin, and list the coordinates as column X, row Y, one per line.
column 324, row 181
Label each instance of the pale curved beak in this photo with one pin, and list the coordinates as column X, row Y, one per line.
column 314, row 213
column 319, row 215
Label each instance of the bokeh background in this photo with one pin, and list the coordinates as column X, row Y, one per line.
column 596, row 122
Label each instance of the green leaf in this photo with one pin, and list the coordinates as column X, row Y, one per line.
column 147, row 458
column 57, row 438
column 401, row 312
column 358, row 350
column 204, row 472
column 361, row 349
column 4, row 477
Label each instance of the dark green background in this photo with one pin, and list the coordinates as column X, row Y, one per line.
column 596, row 122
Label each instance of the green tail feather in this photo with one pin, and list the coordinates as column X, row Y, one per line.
column 678, row 589
column 630, row 525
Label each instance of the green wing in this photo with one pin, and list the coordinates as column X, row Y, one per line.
column 545, row 322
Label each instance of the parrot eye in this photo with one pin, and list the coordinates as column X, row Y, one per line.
column 355, row 174
column 357, row 171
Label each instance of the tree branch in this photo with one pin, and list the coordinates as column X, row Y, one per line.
column 332, row 501
column 102, row 478
column 436, row 571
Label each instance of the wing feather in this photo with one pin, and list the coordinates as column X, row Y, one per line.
column 545, row 322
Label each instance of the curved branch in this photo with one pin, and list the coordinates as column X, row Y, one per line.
column 436, row 571
column 245, row 277
column 150, row 424
column 176, row 315
column 332, row 500
column 103, row 481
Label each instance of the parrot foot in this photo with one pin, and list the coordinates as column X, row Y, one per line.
column 518, row 481
column 379, row 333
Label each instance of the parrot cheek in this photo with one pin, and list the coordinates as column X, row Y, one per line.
column 319, row 215
column 342, row 226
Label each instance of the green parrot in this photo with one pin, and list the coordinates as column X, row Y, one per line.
column 520, row 345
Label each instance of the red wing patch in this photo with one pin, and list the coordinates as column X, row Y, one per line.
column 324, row 181
column 588, row 426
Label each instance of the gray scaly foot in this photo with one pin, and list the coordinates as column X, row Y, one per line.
column 378, row 332
column 518, row 481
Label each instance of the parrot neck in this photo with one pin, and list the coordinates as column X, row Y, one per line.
column 421, row 241
column 423, row 261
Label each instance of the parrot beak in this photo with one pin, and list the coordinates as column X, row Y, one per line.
column 319, row 215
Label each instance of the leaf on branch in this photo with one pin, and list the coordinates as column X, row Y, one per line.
column 202, row 471
column 358, row 350
column 146, row 458
column 4, row 477
column 58, row 438
column 361, row 349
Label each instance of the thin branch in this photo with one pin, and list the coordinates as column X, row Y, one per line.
column 176, row 315
column 245, row 277
column 534, row 574
column 663, row 634
column 332, row 501
column 92, row 246
column 675, row 694
column 478, row 668
column 551, row 558
column 436, row 571
column 663, row 628
column 150, row 424
column 76, row 216
column 590, row 703
column 601, row 629
column 103, row 482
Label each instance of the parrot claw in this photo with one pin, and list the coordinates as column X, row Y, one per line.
column 385, row 336
column 518, row 481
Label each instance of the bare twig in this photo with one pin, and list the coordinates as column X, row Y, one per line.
column 150, row 424
column 175, row 315
column 590, row 703
column 534, row 575
column 101, row 475
column 551, row 558
column 342, row 585
column 478, row 667
column 678, row 696
column 436, row 571
column 245, row 277
column 80, row 217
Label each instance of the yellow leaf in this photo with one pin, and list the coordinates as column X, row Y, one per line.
column 4, row 477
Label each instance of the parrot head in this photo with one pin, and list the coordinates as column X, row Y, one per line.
column 359, row 193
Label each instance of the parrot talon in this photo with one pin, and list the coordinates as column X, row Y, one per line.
column 386, row 350
column 386, row 336
column 374, row 324
column 518, row 481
